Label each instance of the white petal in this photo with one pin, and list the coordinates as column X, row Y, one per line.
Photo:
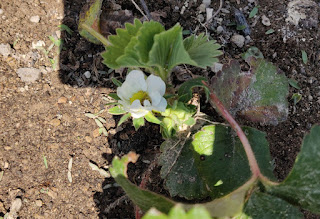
column 155, row 83
column 137, row 110
column 161, row 107
column 135, row 81
column 125, row 104
column 155, row 97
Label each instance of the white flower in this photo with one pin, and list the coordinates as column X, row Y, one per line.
column 140, row 95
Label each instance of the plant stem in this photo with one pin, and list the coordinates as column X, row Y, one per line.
column 234, row 125
column 97, row 35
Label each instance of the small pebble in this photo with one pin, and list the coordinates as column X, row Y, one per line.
column 62, row 100
column 38, row 203
column 55, row 122
column 219, row 29
column 6, row 165
column 206, row 2
column 202, row 8
column 29, row 74
column 88, row 139
column 87, row 74
column 16, row 205
column 238, row 40
column 35, row 19
column 96, row 133
column 265, row 20
column 310, row 98
column 226, row 11
column 1, row 11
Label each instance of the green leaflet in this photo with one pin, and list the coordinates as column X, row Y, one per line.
column 302, row 186
column 177, row 212
column 168, row 50
column 264, row 206
column 202, row 51
column 118, row 44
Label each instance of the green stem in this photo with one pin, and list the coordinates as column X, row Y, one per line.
column 97, row 35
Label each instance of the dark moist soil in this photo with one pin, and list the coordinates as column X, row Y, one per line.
column 46, row 118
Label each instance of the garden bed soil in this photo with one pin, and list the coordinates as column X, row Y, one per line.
column 44, row 120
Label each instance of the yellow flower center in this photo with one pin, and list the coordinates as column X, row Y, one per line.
column 140, row 95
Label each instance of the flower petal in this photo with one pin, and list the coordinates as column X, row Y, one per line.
column 137, row 110
column 135, row 81
column 155, row 83
column 161, row 107
column 155, row 97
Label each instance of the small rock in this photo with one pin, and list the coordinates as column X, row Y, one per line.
column 200, row 18
column 87, row 74
column 216, row 67
column 310, row 98
column 251, row 1
column 55, row 122
column 202, row 8
column 62, row 100
column 5, row 49
column 96, row 133
column 16, row 205
column 1, row 11
column 209, row 12
column 35, row 19
column 7, row 148
column 303, row 12
column 206, row 2
column 29, row 74
column 108, row 150
column 38, row 203
column 6, row 165
column 36, row 45
column 226, row 11
column 88, row 139
column 52, row 194
column 238, row 40
column 265, row 20
column 219, row 29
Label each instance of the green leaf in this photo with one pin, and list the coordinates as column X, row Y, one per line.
column 118, row 44
column 168, row 50
column 124, row 118
column 252, row 51
column 227, row 206
column 114, row 96
column 264, row 206
column 66, row 28
column 304, row 57
column 185, row 90
column 90, row 115
column 212, row 162
column 190, row 122
column 270, row 31
column 151, row 118
column 253, row 12
column 202, row 51
column 146, row 39
column 116, row 82
column 143, row 198
column 241, row 27
column 302, row 186
column 259, row 95
column 99, row 123
column 117, row 110
column 138, row 122
column 90, row 15
column 296, row 97
column 177, row 212
column 294, row 83
column 45, row 161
